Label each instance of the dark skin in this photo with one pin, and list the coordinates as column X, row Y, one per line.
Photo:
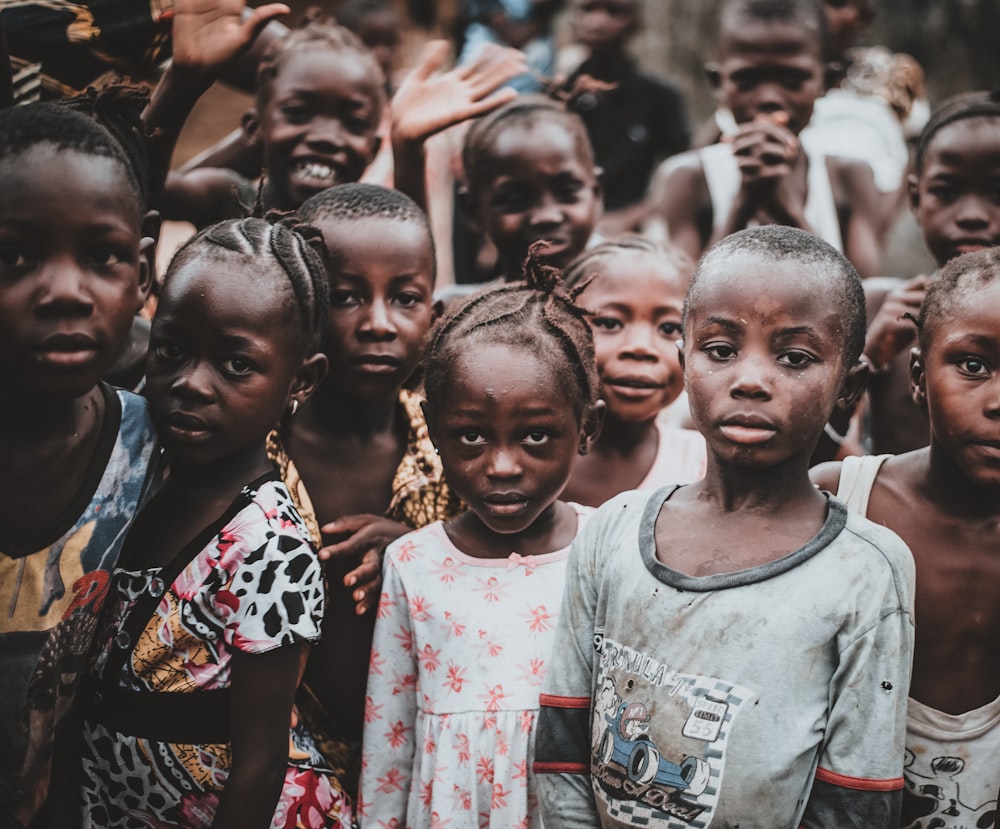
column 349, row 438
column 942, row 501
column 769, row 76
column 764, row 370
column 635, row 303
column 213, row 350
column 71, row 240
column 956, row 200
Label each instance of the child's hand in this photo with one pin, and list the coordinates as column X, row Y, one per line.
column 429, row 101
column 209, row 34
column 890, row 332
column 766, row 152
column 369, row 535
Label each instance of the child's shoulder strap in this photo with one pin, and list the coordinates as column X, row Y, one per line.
column 857, row 477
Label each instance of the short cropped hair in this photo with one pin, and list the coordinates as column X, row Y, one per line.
column 808, row 13
column 961, row 277
column 778, row 242
column 957, row 108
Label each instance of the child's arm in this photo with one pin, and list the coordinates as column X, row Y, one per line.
column 859, row 198
column 389, row 742
column 680, row 199
column 859, row 780
column 892, row 327
column 262, row 692
column 563, row 740
column 208, row 35
column 428, row 102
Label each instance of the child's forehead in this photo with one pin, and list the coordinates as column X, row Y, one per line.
column 313, row 66
column 623, row 270
column 749, row 37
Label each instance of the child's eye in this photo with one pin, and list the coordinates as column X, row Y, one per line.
column 973, row 366
column 343, row 297
column 719, row 351
column 168, row 352
column 358, row 126
column 536, row 437
column 795, row 359
column 606, row 323
column 942, row 193
column 295, row 113
column 510, row 201
column 670, row 329
column 409, row 300
column 471, row 439
column 106, row 257
column 14, row 258
column 237, row 366
column 568, row 193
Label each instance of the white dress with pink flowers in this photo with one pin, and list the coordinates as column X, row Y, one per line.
column 461, row 646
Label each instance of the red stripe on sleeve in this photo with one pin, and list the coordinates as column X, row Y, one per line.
column 864, row 784
column 553, row 701
column 561, row 768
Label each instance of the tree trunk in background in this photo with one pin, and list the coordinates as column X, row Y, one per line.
column 956, row 41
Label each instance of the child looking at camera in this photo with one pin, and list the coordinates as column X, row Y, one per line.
column 942, row 500
column 633, row 290
column 468, row 607
column 769, row 71
column 75, row 452
column 218, row 591
column 738, row 650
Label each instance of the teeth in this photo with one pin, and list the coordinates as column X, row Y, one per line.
column 317, row 171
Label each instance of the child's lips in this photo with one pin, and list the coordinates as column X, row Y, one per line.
column 505, row 503
column 67, row 350
column 314, row 172
column 635, row 387
column 377, row 363
column 748, row 430
column 186, row 428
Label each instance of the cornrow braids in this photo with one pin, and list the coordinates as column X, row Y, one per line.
column 317, row 32
column 581, row 271
column 66, row 128
column 957, row 108
column 296, row 249
column 531, row 315
column 962, row 277
column 523, row 111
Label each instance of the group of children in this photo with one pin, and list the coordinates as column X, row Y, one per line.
column 341, row 562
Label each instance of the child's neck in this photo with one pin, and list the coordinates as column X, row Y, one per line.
column 623, row 438
column 553, row 530
column 943, row 483
column 329, row 410
column 607, row 62
column 772, row 490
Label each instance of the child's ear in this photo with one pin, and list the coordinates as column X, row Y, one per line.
column 308, row 377
column 918, row 379
column 150, row 235
column 713, row 75
column 593, row 420
column 437, row 310
column 853, row 385
column 250, row 122
column 913, row 188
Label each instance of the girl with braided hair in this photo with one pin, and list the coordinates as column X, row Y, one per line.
column 218, row 591
column 468, row 606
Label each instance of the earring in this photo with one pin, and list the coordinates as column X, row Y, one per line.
column 295, row 406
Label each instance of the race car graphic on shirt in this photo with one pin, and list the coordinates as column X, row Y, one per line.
column 659, row 740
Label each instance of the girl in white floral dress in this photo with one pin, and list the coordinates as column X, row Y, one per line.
column 468, row 607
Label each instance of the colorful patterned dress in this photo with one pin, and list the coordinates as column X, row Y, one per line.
column 255, row 584
column 461, row 647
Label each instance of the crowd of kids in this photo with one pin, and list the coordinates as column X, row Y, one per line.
column 680, row 521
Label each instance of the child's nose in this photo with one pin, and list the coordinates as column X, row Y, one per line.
column 195, row 382
column 378, row 322
column 752, row 377
column 971, row 210
column 547, row 212
column 65, row 288
column 325, row 132
column 640, row 341
column 504, row 463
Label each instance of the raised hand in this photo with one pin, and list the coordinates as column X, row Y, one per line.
column 209, row 34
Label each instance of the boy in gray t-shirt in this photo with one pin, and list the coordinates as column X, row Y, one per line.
column 737, row 652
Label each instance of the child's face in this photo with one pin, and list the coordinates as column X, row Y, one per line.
column 379, row 31
column 763, row 359
column 957, row 197
column 318, row 125
column 537, row 187
column 222, row 361
column 507, row 435
column 604, row 25
column 769, row 67
column 70, row 274
column 958, row 380
column 635, row 306
column 846, row 20
column 381, row 303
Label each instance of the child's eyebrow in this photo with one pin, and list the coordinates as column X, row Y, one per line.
column 799, row 331
column 983, row 341
column 721, row 322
